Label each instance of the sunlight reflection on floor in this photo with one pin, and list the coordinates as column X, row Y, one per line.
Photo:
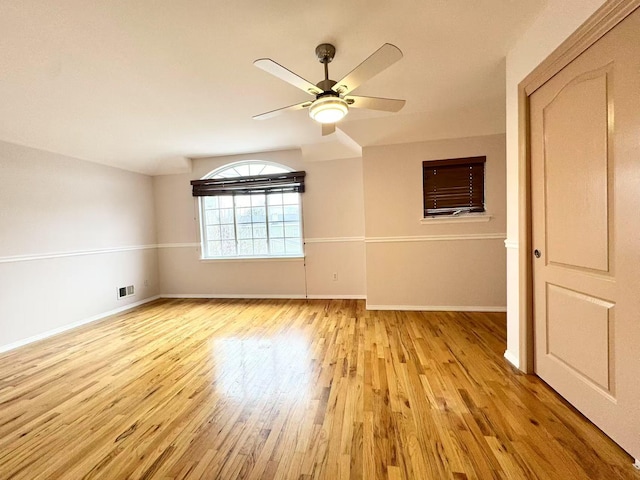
column 257, row 367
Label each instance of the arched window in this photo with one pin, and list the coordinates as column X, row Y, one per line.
column 245, row 169
column 251, row 222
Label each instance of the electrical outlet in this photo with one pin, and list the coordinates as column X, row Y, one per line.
column 146, row 283
column 335, row 276
column 130, row 290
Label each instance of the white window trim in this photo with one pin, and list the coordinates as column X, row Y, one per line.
column 290, row 258
column 460, row 218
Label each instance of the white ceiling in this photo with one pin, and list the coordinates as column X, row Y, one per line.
column 143, row 84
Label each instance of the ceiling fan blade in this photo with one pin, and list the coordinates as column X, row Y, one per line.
column 290, row 108
column 288, row 76
column 328, row 129
column 376, row 103
column 382, row 58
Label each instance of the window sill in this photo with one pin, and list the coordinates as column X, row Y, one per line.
column 463, row 218
column 298, row 258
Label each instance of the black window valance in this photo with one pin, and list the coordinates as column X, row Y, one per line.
column 273, row 183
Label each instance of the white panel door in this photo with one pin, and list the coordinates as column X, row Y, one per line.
column 585, row 160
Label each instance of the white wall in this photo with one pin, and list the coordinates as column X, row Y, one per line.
column 410, row 265
column 71, row 232
column 556, row 22
column 333, row 229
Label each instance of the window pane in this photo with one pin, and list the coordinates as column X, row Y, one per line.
column 258, row 200
column 290, row 198
column 245, row 247
column 214, row 249
column 210, row 202
column 226, row 201
column 258, row 214
column 260, row 247
column 274, row 199
column 275, row 214
column 243, row 170
column 272, row 169
column 247, row 168
column 227, row 232
column 259, row 230
column 244, row 231
column 228, row 248
column 293, row 246
column 243, row 200
column 212, row 217
column 291, row 230
column 277, row 246
column 226, row 215
column 256, row 168
column 276, row 230
column 213, row 233
column 291, row 213
column 243, row 215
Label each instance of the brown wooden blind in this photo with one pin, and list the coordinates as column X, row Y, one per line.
column 454, row 185
column 273, row 183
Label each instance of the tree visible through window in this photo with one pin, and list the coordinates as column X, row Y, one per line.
column 245, row 218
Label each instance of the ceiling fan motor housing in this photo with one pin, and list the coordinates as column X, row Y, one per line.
column 325, row 86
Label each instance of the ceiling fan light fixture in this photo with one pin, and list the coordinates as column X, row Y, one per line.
column 329, row 109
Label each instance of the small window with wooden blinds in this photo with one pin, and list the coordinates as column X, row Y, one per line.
column 453, row 186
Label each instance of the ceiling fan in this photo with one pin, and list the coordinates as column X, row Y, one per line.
column 333, row 99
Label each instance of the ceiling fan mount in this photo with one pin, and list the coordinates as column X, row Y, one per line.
column 325, row 52
column 333, row 99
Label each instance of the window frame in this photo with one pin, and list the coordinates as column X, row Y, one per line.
column 204, row 246
column 462, row 210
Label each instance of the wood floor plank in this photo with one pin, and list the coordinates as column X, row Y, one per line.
column 288, row 389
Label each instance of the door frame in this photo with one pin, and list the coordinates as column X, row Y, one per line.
column 610, row 14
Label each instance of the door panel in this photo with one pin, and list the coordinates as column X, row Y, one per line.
column 578, row 327
column 585, row 191
column 576, row 128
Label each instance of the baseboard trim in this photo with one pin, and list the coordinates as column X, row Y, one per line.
column 71, row 326
column 252, row 296
column 438, row 308
column 337, row 297
column 265, row 296
column 512, row 359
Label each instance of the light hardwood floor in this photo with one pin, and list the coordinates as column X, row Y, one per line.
column 295, row 389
